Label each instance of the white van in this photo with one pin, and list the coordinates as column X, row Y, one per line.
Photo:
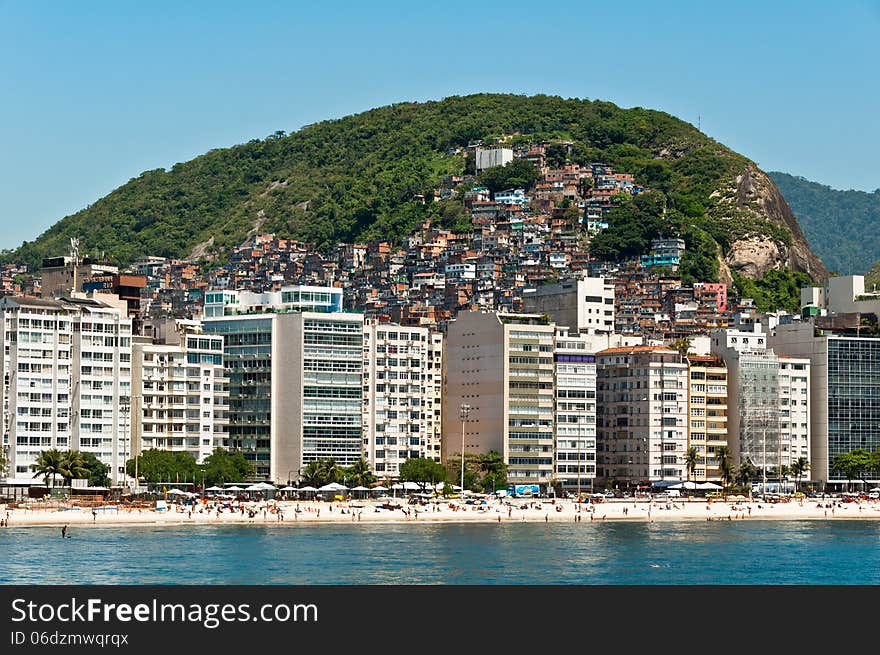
column 669, row 493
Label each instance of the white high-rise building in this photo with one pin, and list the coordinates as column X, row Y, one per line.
column 584, row 304
column 66, row 366
column 575, row 453
column 643, row 415
column 768, row 401
column 402, row 375
column 179, row 393
column 295, row 383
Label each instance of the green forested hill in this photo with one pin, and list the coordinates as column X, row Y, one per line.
column 355, row 177
column 841, row 226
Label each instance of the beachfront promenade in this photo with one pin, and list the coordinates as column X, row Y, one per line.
column 285, row 513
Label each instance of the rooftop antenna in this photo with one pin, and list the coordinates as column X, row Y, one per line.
column 74, row 257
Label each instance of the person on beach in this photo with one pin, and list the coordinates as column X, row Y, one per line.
column 64, row 532
column 94, row 516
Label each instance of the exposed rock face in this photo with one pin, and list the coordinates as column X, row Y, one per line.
column 754, row 256
column 754, row 197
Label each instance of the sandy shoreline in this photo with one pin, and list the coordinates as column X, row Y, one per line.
column 516, row 510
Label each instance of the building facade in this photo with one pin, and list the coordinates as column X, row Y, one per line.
column 642, row 394
column 295, row 387
column 179, row 394
column 707, row 414
column 584, row 304
column 66, row 367
column 501, row 367
column 402, row 375
column 575, row 387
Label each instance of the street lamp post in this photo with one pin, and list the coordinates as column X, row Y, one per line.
column 464, row 413
column 124, row 408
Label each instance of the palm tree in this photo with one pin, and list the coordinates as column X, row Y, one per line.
column 73, row 465
column 682, row 345
column 784, row 473
column 311, row 474
column 725, row 465
column 798, row 468
column 691, row 457
column 49, row 464
column 359, row 473
column 746, row 472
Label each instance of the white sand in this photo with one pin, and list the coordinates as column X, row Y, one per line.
column 511, row 510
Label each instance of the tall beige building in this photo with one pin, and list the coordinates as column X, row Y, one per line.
column 707, row 413
column 501, row 366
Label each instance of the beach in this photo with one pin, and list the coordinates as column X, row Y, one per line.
column 504, row 511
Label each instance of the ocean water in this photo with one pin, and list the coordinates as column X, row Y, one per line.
column 837, row 552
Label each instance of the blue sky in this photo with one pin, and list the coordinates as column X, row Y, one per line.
column 92, row 93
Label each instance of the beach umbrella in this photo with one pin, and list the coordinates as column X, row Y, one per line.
column 214, row 488
column 307, row 489
column 333, row 486
column 360, row 488
column 177, row 492
column 380, row 488
column 234, row 488
column 708, row 485
column 287, row 489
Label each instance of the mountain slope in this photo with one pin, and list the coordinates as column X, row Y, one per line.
column 355, row 178
column 840, row 225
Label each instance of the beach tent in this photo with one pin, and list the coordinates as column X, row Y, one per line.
column 234, row 488
column 662, row 484
column 361, row 489
column 684, row 485
column 709, row 485
column 380, row 488
column 287, row 489
column 307, row 489
column 333, row 486
column 214, row 488
column 177, row 492
column 407, row 486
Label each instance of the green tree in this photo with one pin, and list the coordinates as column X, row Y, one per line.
column 471, row 468
column 691, row 458
column 49, row 464
column 745, row 473
column 97, row 472
column 493, row 471
column 518, row 174
column 725, row 463
column 556, row 155
column 855, row 465
column 422, row 470
column 320, row 472
column 682, row 345
column 223, row 466
column 358, row 474
column 155, row 465
column 73, row 465
column 798, row 469
column 4, row 462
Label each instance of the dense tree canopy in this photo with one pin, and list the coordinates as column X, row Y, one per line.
column 840, row 226
column 357, row 177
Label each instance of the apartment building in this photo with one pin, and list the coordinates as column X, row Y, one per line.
column 179, row 393
column 66, row 366
column 402, row 379
column 642, row 394
column 500, row 368
column 843, row 394
column 575, row 419
column 295, row 384
column 584, row 304
column 707, row 414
